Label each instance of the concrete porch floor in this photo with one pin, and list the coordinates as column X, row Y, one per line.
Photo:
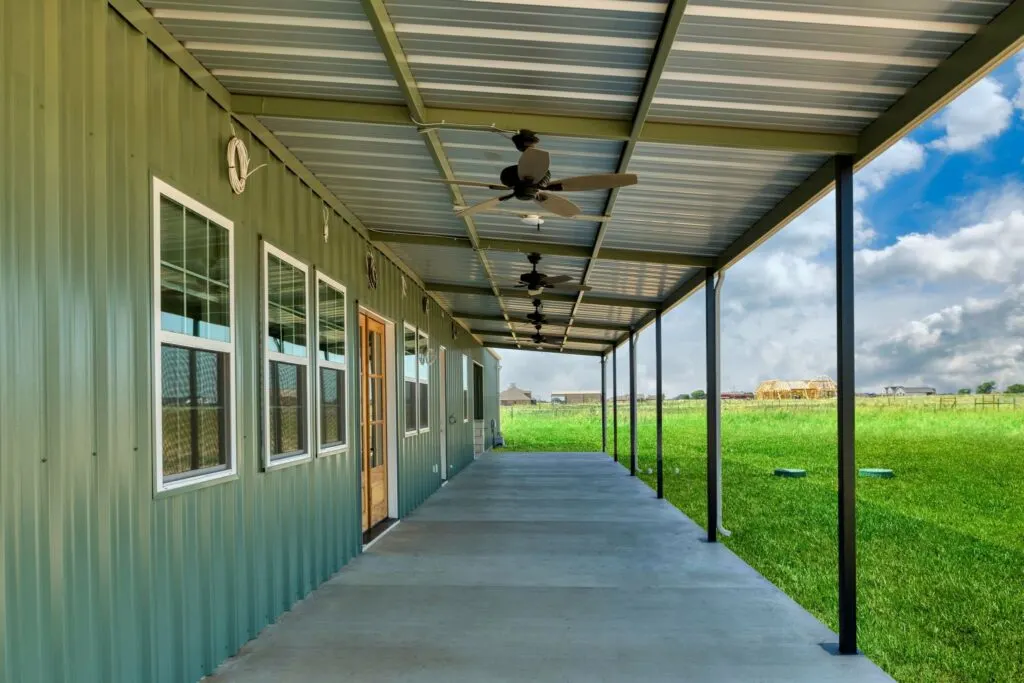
column 546, row 567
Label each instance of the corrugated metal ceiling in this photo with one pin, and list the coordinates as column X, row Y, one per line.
column 803, row 65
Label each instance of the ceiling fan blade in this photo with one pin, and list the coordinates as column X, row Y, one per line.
column 482, row 206
column 598, row 181
column 469, row 183
column 555, row 204
column 534, row 164
column 571, row 287
column 559, row 279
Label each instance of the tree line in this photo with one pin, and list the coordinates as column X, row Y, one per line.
column 990, row 387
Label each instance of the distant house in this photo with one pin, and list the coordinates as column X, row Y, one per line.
column 514, row 396
column 570, row 397
column 900, row 390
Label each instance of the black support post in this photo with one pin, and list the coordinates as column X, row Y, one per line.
column 845, row 402
column 659, row 400
column 604, row 405
column 632, row 403
column 615, row 404
column 714, row 403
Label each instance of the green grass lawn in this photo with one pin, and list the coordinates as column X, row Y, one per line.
column 940, row 546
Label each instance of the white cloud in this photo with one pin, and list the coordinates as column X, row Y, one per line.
column 1019, row 100
column 978, row 115
column 903, row 157
column 991, row 250
column 958, row 346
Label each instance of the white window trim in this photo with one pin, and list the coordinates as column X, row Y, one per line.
column 406, row 327
column 320, row 363
column 160, row 337
column 465, row 388
column 268, row 356
column 419, row 382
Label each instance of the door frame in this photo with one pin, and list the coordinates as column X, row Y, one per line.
column 391, row 395
column 442, row 356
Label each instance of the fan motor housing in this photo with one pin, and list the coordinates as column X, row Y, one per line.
column 522, row 190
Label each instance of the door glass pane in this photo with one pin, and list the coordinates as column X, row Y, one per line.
column 378, row 406
column 378, row 432
column 374, row 447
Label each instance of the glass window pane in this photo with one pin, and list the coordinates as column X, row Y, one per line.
column 218, row 254
column 172, row 300
column 424, row 356
column 286, row 307
column 218, row 313
column 195, row 292
column 424, row 406
column 195, row 410
column 172, row 233
column 331, row 318
column 410, row 354
column 410, row 406
column 287, row 434
column 196, row 245
column 332, row 407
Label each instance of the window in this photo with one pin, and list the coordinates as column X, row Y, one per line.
column 465, row 388
column 411, row 382
column 194, row 349
column 286, row 389
column 417, row 381
column 332, row 389
column 424, row 386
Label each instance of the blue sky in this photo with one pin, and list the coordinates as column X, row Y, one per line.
column 939, row 264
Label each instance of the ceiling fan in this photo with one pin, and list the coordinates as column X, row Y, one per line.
column 537, row 318
column 536, row 282
column 530, row 180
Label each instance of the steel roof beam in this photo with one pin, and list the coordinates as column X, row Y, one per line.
column 696, row 134
column 545, row 248
column 571, row 340
column 669, row 28
column 570, row 352
column 583, row 325
column 990, row 46
column 387, row 38
column 546, row 296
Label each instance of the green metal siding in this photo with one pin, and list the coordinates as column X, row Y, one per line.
column 102, row 581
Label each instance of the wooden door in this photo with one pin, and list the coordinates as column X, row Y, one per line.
column 373, row 421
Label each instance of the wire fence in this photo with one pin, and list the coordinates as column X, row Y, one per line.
column 646, row 408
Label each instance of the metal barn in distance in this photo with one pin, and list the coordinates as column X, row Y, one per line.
column 259, row 257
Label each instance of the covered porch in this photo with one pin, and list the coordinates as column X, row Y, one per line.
column 547, row 567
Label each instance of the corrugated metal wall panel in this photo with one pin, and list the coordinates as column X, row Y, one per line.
column 102, row 581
